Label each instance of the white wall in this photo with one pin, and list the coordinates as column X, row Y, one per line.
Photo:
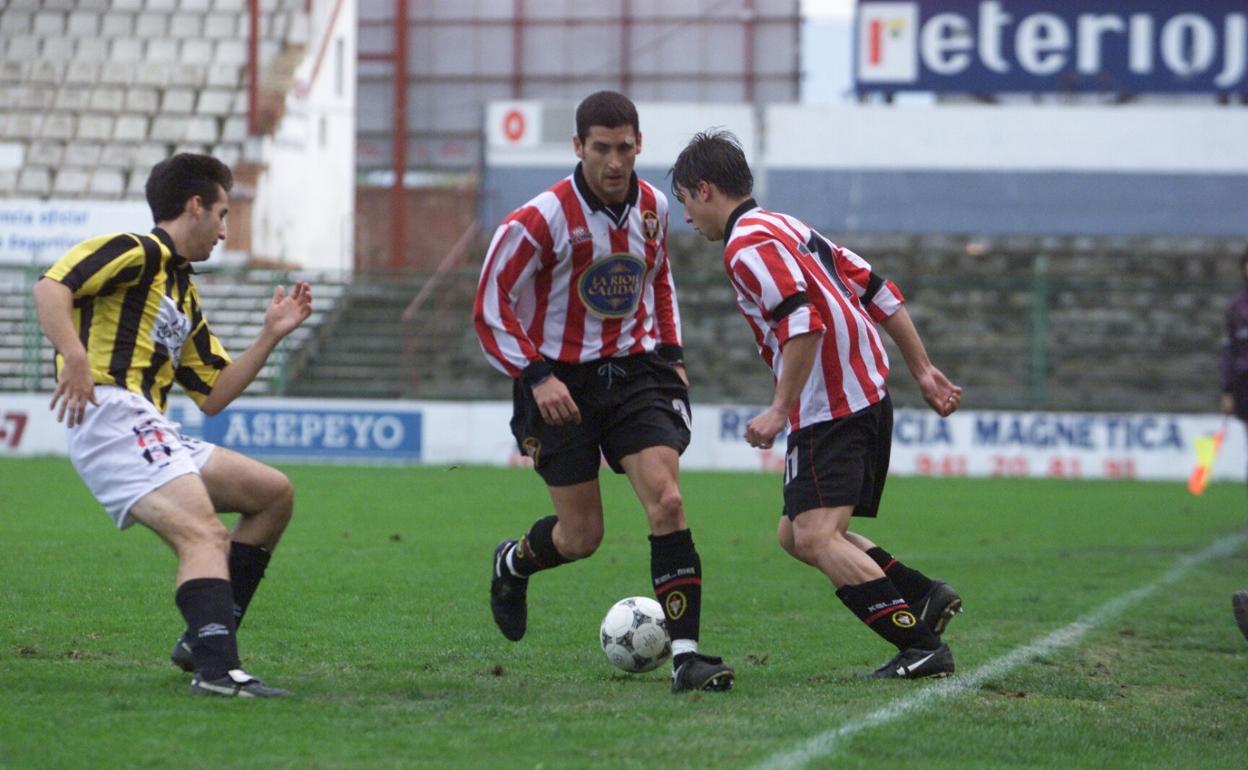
column 304, row 210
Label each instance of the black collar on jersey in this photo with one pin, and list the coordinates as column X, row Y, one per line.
column 179, row 262
column 736, row 214
column 617, row 211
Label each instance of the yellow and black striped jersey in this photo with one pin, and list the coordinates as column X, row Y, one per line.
column 137, row 313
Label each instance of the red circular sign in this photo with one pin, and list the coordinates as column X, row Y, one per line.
column 513, row 125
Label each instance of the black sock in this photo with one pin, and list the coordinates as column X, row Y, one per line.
column 247, row 565
column 677, row 574
column 878, row 604
column 207, row 604
column 911, row 584
column 536, row 550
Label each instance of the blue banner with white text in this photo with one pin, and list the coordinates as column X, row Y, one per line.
column 1004, row 46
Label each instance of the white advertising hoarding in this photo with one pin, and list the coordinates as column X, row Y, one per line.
column 970, row 444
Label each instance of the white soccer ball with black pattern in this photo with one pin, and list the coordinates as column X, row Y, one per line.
column 634, row 635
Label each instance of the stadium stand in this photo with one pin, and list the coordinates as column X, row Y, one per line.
column 234, row 304
column 96, row 92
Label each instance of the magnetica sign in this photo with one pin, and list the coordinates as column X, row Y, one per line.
column 293, row 429
column 993, row 46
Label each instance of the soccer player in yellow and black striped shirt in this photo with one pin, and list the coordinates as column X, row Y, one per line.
column 123, row 313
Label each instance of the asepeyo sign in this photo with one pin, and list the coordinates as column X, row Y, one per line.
column 994, row 46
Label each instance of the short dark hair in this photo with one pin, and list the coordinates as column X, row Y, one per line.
column 608, row 109
column 713, row 156
column 176, row 180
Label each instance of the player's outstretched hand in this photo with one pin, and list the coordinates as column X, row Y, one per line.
column 555, row 402
column 74, row 390
column 287, row 311
column 940, row 394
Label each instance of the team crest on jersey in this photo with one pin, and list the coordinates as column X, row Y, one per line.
column 676, row 603
column 580, row 235
column 611, row 287
column 650, row 225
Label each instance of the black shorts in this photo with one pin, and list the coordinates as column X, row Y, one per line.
column 840, row 462
column 627, row 404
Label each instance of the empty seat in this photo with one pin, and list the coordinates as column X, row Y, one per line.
column 141, row 100
column 107, row 182
column 97, row 128
column 162, row 51
column 117, row 155
column 117, row 24
column 82, row 154
column 36, row 98
column 48, row 23
column 14, row 71
column 190, row 75
column 70, row 181
column 220, row 25
column 229, row 6
column 45, row 154
column 47, row 72
column 127, row 49
column 85, row 72
column 74, row 98
column 214, row 102
column 151, row 24
column 231, row 52
column 58, row 47
column 117, row 72
column 14, row 23
column 149, row 154
column 8, row 180
column 58, row 125
column 178, row 100
column 95, row 5
column 34, row 181
column 196, row 51
column 165, row 6
column 235, row 129
column 203, row 129
column 137, row 188
column 229, row 154
column 185, row 25
column 130, row 128
column 196, row 6
column 83, row 24
column 22, row 49
column 91, row 49
column 9, row 96
column 24, row 125
column 127, row 5
column 107, row 99
column 223, row 76
column 155, row 77
column 169, row 128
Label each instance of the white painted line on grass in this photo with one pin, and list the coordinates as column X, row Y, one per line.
column 827, row 742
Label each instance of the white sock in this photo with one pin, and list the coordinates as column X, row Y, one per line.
column 682, row 646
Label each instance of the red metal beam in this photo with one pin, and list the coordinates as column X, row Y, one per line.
column 253, row 67
column 517, row 50
column 398, row 196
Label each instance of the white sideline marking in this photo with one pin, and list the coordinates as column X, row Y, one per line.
column 825, row 743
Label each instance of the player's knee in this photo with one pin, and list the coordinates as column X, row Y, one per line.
column 582, row 544
column 668, row 513
column 282, row 501
column 204, row 534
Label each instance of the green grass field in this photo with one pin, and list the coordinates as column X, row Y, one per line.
column 375, row 613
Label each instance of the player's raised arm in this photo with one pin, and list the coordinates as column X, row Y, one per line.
column 284, row 314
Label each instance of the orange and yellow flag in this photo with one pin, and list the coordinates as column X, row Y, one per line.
column 1206, row 452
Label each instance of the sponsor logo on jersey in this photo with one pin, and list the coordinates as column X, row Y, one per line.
column 650, row 225
column 611, row 287
column 579, row 235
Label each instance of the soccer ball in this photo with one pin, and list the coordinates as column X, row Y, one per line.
column 634, row 635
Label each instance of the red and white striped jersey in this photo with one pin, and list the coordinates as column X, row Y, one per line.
column 771, row 258
column 569, row 279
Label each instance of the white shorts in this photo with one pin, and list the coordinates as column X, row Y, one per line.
column 125, row 448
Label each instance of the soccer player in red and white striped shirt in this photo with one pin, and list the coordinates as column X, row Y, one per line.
column 813, row 307
column 576, row 303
